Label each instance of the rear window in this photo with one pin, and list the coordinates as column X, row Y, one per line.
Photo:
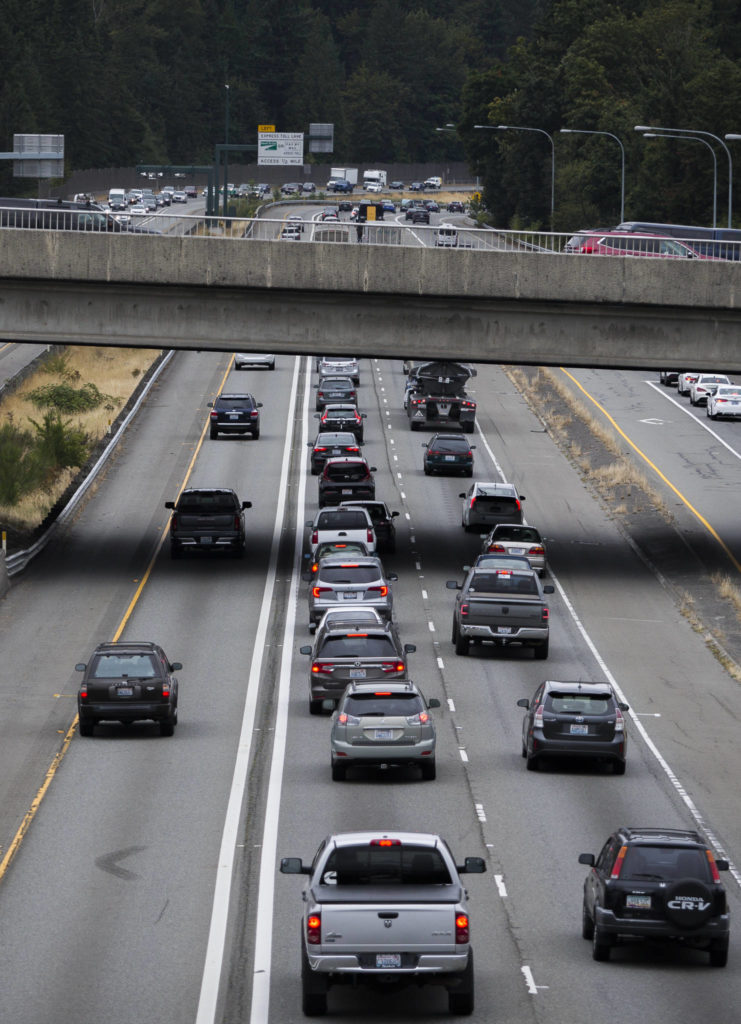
column 112, row 666
column 356, row 645
column 363, row 704
column 387, row 865
column 332, row 520
column 503, row 582
column 348, row 574
column 237, row 402
column 207, row 503
column 527, row 534
column 579, row 703
column 323, row 550
column 452, row 444
column 345, row 474
column 667, row 862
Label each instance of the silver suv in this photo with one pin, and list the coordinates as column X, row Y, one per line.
column 376, row 727
column 343, row 580
column 341, row 655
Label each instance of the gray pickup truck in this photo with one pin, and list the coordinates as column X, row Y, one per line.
column 207, row 519
column 384, row 909
column 502, row 606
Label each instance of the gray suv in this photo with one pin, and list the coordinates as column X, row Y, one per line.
column 350, row 581
column 343, row 653
column 376, row 726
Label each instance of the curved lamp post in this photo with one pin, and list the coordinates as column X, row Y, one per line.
column 693, row 132
column 542, row 131
column 584, row 131
column 695, row 138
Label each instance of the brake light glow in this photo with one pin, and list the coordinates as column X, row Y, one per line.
column 381, row 591
column 464, row 610
column 385, row 842
column 356, row 634
column 421, row 719
column 617, row 866
column 393, row 666
column 322, row 666
column 382, row 693
column 496, row 548
column 166, row 688
column 713, row 866
column 344, row 719
column 316, row 591
column 461, row 929
column 83, row 691
column 314, row 929
column 544, row 614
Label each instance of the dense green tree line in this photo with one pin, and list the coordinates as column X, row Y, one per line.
column 130, row 81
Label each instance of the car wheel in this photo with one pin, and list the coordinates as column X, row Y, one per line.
column 600, row 944
column 256, row 434
column 313, row 989
column 461, row 998
column 462, row 644
column 618, row 768
column 86, row 726
column 427, row 470
column 719, row 952
column 315, row 707
column 413, row 425
column 587, row 924
column 272, row 365
column 214, row 434
column 176, row 551
column 167, row 726
column 468, row 428
column 468, row 472
column 532, row 763
column 540, row 653
column 339, row 771
column 429, row 770
column 239, row 551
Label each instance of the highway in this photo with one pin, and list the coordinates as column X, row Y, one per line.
column 145, row 887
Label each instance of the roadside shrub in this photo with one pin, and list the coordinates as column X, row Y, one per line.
column 57, row 365
column 58, row 445
column 65, row 398
column 19, row 469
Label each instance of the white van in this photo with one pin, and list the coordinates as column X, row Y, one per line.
column 446, row 236
column 117, row 199
column 434, row 183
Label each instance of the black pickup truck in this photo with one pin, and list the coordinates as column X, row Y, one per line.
column 207, row 519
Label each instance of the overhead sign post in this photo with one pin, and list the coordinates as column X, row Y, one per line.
column 37, row 156
column 280, row 148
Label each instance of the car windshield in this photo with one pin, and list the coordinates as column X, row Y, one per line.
column 357, row 645
column 363, row 704
column 113, row 666
column 348, row 574
column 334, row 520
column 503, row 582
column 388, row 865
column 579, row 703
column 323, row 550
column 665, row 862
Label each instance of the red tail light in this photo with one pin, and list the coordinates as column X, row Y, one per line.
column 319, row 449
column 496, row 548
column 314, row 929
column 544, row 614
column 538, row 717
column 166, row 689
column 619, row 721
column 316, row 591
column 473, row 502
column 83, row 691
column 462, row 934
column 536, row 550
column 236, row 522
column 464, row 610
column 385, row 842
column 214, row 414
column 713, row 866
column 369, row 536
column 617, row 866
column 322, row 666
column 253, row 414
column 315, row 537
column 381, row 591
column 393, row 666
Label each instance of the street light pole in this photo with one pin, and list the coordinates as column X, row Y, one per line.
column 584, row 131
column 693, row 132
column 226, row 151
column 541, row 131
column 694, row 138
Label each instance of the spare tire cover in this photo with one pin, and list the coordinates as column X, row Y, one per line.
column 689, row 903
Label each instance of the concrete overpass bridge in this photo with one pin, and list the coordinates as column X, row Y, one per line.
column 479, row 305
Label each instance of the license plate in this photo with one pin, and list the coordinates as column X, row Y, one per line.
column 637, row 902
column 336, row 451
column 383, row 734
column 335, row 394
column 504, row 630
column 388, row 960
column 125, row 691
column 449, row 458
column 579, row 730
column 347, row 490
column 206, row 540
column 233, row 415
column 517, row 551
column 357, row 673
column 349, row 595
column 443, row 408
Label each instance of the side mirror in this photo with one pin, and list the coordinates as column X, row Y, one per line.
column 393, row 577
column 309, row 444
column 523, row 702
column 294, row 866
column 549, row 589
column 521, row 497
column 472, row 866
column 246, row 504
column 305, row 650
column 210, row 405
column 309, row 522
column 424, row 444
column 433, row 702
column 587, row 858
column 169, row 504
column 312, row 628
column 373, row 469
column 453, row 585
column 80, row 666
column 363, row 415
column 259, row 405
column 462, row 494
column 472, row 446
column 176, row 666
column 624, row 707
column 721, row 865
column 410, row 648
column 394, row 515
column 329, row 704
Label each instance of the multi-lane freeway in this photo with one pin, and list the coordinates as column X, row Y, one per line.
column 139, row 873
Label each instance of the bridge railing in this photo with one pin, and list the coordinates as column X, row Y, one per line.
column 393, row 230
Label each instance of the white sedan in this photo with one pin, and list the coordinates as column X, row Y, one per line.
column 704, row 386
column 725, row 402
column 244, row 359
column 686, row 380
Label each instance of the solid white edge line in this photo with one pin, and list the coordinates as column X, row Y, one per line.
column 212, row 968
column 266, row 890
column 688, row 412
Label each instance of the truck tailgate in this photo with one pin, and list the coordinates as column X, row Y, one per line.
column 515, row 612
column 358, row 928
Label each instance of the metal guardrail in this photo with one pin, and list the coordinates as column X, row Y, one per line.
column 17, row 562
column 394, row 229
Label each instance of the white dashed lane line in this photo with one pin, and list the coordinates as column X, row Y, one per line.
column 499, row 880
column 464, row 755
column 424, row 595
column 480, row 812
column 431, row 626
column 451, row 702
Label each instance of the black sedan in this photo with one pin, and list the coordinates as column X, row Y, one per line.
column 448, row 453
column 128, row 682
column 574, row 719
column 331, row 445
column 342, row 417
column 456, row 206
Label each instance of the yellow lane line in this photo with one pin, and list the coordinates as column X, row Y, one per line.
column 52, row 770
column 688, row 504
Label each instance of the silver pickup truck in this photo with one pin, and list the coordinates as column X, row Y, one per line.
column 502, row 606
column 384, row 908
